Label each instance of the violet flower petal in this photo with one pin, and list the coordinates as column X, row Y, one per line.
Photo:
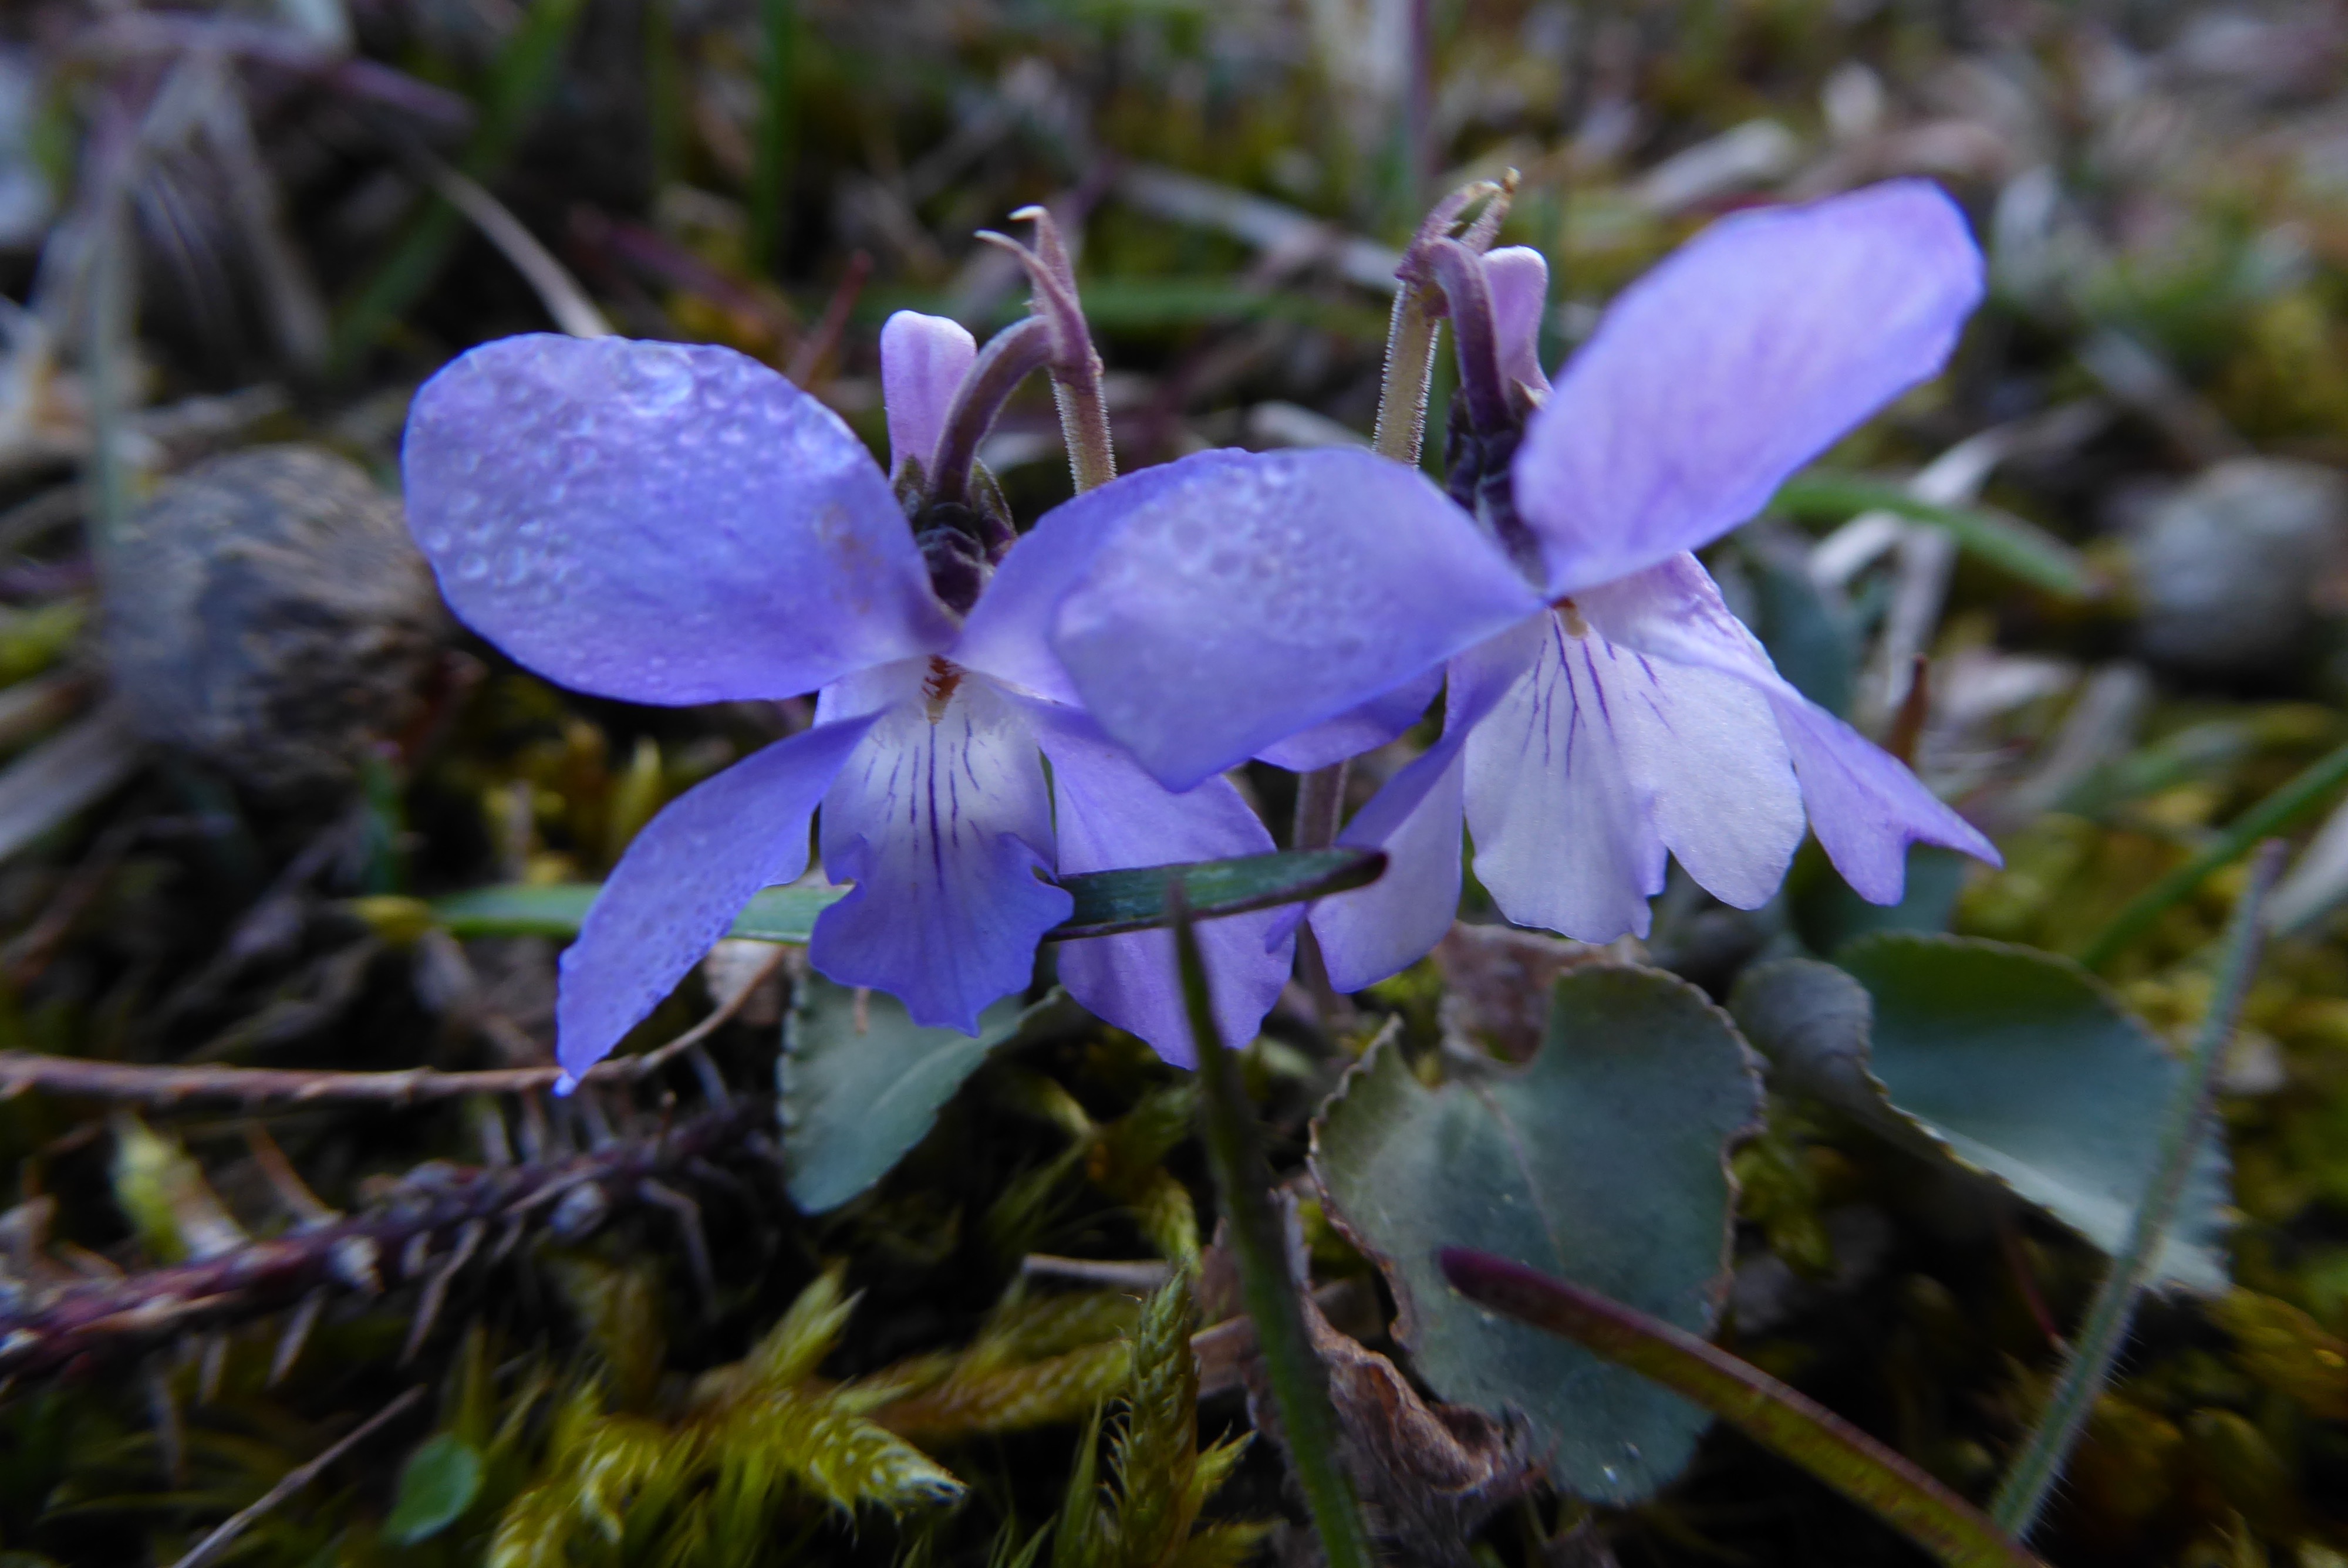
column 1863, row 803
column 944, row 824
column 1384, row 928
column 1364, row 729
column 1372, row 932
column 1519, row 279
column 1244, row 597
column 1702, row 753
column 659, row 522
column 1748, row 352
column 683, row 880
column 922, row 362
column 1113, row 814
column 1007, row 634
column 1563, row 839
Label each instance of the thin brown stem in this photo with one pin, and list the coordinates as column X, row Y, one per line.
column 160, row 1086
column 210, row 1548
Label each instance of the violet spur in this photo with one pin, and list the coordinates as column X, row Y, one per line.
column 1620, row 714
column 674, row 524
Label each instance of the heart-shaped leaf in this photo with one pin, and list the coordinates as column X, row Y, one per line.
column 1601, row 1160
column 862, row 1082
column 2014, row 1063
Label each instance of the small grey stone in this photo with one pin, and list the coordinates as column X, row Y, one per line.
column 2231, row 569
column 267, row 611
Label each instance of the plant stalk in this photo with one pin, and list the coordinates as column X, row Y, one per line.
column 2185, row 1127
column 771, row 169
column 1084, row 428
column 1300, row 1383
column 1409, row 376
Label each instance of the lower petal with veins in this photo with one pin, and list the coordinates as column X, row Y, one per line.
column 1563, row 838
column 943, row 820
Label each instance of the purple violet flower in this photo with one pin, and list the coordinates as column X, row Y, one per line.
column 1604, row 706
column 671, row 524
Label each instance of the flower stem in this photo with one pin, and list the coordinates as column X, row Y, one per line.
column 2185, row 1127
column 1461, row 272
column 1084, row 427
column 1418, row 310
column 1008, row 358
column 1075, row 364
column 1300, row 1383
column 1409, row 376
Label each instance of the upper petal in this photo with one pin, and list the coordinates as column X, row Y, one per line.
column 1007, row 633
column 683, row 880
column 922, row 362
column 659, row 522
column 943, row 820
column 1864, row 804
column 1113, row 814
column 1747, row 352
column 1519, row 279
column 1247, row 596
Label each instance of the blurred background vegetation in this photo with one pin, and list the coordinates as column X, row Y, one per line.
column 242, row 745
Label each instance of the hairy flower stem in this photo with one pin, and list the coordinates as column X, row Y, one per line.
column 1418, row 311
column 1075, row 364
column 1009, row 357
column 1401, row 431
column 2185, row 1129
column 1300, row 1383
column 1083, row 425
column 1460, row 273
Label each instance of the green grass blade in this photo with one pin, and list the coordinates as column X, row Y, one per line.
column 2002, row 541
column 2184, row 1128
column 1107, row 902
column 1300, row 1383
column 1779, row 1418
column 2270, row 815
column 770, row 173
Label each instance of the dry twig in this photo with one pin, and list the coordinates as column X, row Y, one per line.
column 165, row 1085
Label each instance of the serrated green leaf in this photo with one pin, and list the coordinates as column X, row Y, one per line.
column 2015, row 1065
column 863, row 1083
column 1107, row 902
column 1603, row 1160
column 436, row 1484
